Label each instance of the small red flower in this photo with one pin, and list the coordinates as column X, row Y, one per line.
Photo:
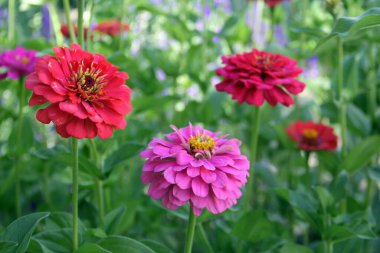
column 111, row 27
column 87, row 95
column 257, row 76
column 273, row 3
column 66, row 32
column 312, row 136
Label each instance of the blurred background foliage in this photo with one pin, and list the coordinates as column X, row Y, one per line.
column 170, row 53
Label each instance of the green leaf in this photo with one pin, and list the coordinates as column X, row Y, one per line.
column 124, row 152
column 7, row 246
column 348, row 26
column 254, row 227
column 91, row 248
column 358, row 120
column 156, row 246
column 293, row 248
column 324, row 196
column 57, row 240
column 361, row 154
column 121, row 244
column 21, row 230
column 113, row 219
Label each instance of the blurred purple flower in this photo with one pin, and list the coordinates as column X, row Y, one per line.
column 156, row 2
column 160, row 75
column 281, row 38
column 3, row 16
column 225, row 4
column 17, row 62
column 312, row 67
column 46, row 23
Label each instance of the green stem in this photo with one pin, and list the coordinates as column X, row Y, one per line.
column 190, row 232
column 342, row 107
column 11, row 22
column 80, row 23
column 123, row 11
column 204, row 237
column 371, row 91
column 89, row 32
column 308, row 181
column 55, row 22
column 254, row 140
column 66, row 6
column 98, row 184
column 74, row 146
column 370, row 190
column 329, row 246
column 18, row 139
column 272, row 25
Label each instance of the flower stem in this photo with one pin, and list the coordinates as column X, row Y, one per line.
column 254, row 140
column 272, row 25
column 66, row 6
column 80, row 23
column 74, row 147
column 56, row 23
column 308, row 181
column 342, row 107
column 11, row 22
column 98, row 184
column 190, row 232
column 205, row 238
column 18, row 149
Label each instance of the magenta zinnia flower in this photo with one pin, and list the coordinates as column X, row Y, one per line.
column 86, row 96
column 259, row 76
column 17, row 62
column 195, row 165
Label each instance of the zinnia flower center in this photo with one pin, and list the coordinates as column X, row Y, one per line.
column 89, row 83
column 25, row 60
column 201, row 146
column 310, row 133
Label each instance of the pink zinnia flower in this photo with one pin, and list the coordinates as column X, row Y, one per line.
column 17, row 62
column 258, row 76
column 195, row 165
column 273, row 3
column 312, row 136
column 86, row 94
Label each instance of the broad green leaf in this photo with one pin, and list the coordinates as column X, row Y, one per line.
column 348, row 26
column 324, row 196
column 361, row 154
column 85, row 165
column 113, row 219
column 21, row 230
column 358, row 120
column 121, row 244
column 91, row 248
column 294, row 248
column 156, row 246
column 7, row 246
column 124, row 152
column 57, row 240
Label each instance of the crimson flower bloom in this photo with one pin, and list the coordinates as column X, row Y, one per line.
column 312, row 136
column 17, row 62
column 111, row 27
column 273, row 3
column 66, row 32
column 195, row 165
column 257, row 76
column 86, row 94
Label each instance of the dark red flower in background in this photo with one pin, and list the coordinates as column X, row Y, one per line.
column 258, row 76
column 66, row 32
column 111, row 27
column 273, row 3
column 312, row 136
column 86, row 94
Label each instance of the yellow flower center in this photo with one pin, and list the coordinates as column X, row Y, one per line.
column 310, row 133
column 201, row 142
column 25, row 60
column 90, row 83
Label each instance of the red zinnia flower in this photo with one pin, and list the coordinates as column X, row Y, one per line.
column 111, row 27
column 257, row 76
column 273, row 3
column 312, row 136
column 87, row 94
column 66, row 32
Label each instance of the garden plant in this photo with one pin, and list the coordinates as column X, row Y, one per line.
column 164, row 126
